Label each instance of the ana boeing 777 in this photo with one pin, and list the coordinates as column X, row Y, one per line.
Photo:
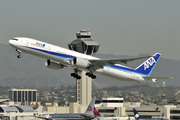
column 58, row 57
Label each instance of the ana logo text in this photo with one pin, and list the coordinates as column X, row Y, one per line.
column 149, row 63
column 40, row 44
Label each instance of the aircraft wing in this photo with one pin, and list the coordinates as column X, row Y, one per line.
column 99, row 63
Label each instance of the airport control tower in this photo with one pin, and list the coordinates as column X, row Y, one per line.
column 84, row 44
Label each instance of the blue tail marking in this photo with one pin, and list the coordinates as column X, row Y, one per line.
column 136, row 114
column 96, row 113
column 147, row 67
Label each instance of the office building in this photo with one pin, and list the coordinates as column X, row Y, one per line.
column 23, row 95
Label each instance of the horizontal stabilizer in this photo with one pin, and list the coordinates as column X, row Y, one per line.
column 153, row 79
column 158, row 77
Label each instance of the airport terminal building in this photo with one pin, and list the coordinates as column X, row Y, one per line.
column 116, row 107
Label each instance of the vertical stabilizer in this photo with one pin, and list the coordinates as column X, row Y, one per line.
column 89, row 112
column 90, row 108
column 136, row 114
column 147, row 67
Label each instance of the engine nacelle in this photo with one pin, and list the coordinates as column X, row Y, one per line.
column 53, row 65
column 80, row 62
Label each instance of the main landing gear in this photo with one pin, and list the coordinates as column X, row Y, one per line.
column 19, row 53
column 90, row 74
column 75, row 74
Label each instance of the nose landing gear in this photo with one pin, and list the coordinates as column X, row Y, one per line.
column 19, row 53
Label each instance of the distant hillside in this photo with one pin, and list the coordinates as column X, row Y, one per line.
column 31, row 71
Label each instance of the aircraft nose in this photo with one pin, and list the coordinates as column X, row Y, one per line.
column 11, row 42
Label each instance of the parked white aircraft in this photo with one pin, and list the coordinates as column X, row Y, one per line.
column 58, row 57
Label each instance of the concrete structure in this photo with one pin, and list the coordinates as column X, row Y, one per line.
column 23, row 95
column 84, row 44
column 84, row 89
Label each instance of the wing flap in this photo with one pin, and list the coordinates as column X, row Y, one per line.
column 153, row 79
column 158, row 78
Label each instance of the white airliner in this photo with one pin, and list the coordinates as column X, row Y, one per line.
column 58, row 57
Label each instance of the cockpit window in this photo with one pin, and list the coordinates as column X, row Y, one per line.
column 15, row 39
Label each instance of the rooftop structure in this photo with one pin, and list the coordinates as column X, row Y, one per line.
column 84, row 43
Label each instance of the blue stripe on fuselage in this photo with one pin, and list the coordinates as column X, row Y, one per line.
column 53, row 53
column 124, row 69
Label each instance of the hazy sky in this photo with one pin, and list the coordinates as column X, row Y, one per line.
column 121, row 27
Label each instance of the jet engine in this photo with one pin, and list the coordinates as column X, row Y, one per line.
column 80, row 62
column 53, row 65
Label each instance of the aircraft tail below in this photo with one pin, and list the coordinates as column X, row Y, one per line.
column 146, row 67
column 90, row 108
column 136, row 114
column 39, row 109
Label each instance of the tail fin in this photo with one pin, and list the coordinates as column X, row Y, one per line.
column 147, row 67
column 39, row 109
column 89, row 112
column 136, row 114
column 91, row 106
column 96, row 113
